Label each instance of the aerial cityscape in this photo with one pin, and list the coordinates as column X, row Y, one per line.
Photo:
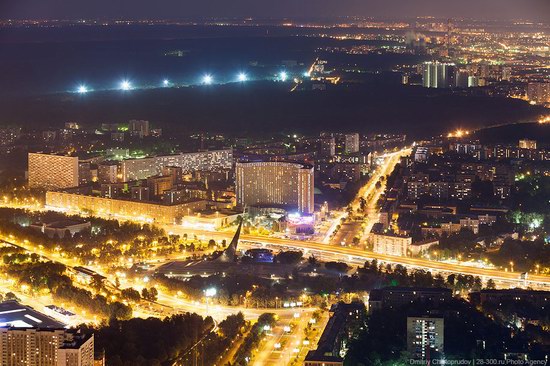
column 304, row 183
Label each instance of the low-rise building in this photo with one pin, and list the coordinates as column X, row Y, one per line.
column 333, row 344
column 391, row 244
column 61, row 228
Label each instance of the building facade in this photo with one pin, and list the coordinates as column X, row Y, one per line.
column 52, row 171
column 30, row 338
column 391, row 244
column 215, row 160
column 425, row 336
column 275, row 184
column 135, row 210
column 438, row 75
column 351, row 143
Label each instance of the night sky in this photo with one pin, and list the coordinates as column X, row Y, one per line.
column 172, row 9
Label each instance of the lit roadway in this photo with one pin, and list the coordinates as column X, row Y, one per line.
column 369, row 191
column 281, row 346
column 358, row 256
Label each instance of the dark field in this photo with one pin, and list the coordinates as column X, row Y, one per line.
column 268, row 107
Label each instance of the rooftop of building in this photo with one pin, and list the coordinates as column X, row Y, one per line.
column 316, row 355
column 409, row 290
column 16, row 315
column 300, row 163
column 519, row 291
column 61, row 224
column 77, row 341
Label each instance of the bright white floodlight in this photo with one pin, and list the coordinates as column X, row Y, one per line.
column 242, row 77
column 82, row 89
column 210, row 292
column 283, row 76
column 207, row 79
column 165, row 82
column 125, row 85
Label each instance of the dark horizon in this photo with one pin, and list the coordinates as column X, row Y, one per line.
column 536, row 10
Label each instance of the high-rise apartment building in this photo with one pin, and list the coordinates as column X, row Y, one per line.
column 136, row 169
column 30, row 338
column 538, row 93
column 351, row 143
column 51, row 171
column 107, row 172
column 327, row 146
column 425, row 336
column 139, row 128
column 77, row 350
column 438, row 75
column 527, row 144
column 275, row 184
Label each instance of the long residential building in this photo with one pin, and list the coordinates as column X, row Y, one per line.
column 143, row 168
column 123, row 208
column 284, row 184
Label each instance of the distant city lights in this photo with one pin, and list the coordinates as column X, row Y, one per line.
column 207, row 79
column 242, row 77
column 283, row 76
column 125, row 85
column 82, row 89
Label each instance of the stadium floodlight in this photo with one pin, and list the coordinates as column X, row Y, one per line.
column 165, row 82
column 125, row 85
column 283, row 76
column 207, row 79
column 82, row 89
column 242, row 77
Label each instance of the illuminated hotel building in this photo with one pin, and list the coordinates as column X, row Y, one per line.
column 52, row 171
column 275, row 183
